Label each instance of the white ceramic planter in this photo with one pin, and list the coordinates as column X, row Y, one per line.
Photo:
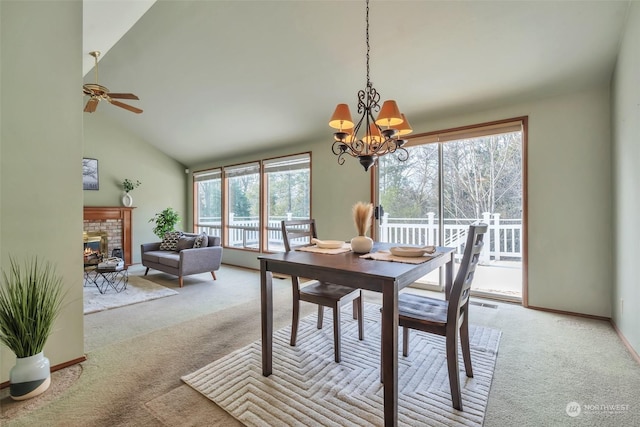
column 29, row 377
column 361, row 244
column 127, row 200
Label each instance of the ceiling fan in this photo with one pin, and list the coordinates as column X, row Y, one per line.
column 98, row 92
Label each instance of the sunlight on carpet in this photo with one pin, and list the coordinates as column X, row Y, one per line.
column 308, row 388
column 138, row 290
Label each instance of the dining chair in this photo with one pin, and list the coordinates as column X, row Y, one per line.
column 316, row 292
column 448, row 317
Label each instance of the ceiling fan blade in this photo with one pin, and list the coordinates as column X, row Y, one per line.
column 91, row 105
column 123, row 95
column 125, row 106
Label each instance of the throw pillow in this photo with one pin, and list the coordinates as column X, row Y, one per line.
column 202, row 241
column 170, row 240
column 185, row 242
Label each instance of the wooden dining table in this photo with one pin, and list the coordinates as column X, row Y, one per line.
column 349, row 269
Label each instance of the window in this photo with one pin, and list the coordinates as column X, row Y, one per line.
column 288, row 195
column 243, row 206
column 208, row 201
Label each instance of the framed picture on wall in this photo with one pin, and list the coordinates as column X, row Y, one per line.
column 90, row 174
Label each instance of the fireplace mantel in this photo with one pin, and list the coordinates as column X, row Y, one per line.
column 103, row 213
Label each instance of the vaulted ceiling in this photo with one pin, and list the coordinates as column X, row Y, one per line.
column 222, row 78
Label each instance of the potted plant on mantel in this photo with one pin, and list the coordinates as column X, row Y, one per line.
column 165, row 221
column 31, row 298
column 128, row 186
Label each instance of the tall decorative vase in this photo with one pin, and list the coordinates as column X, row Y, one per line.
column 361, row 244
column 29, row 377
column 127, row 200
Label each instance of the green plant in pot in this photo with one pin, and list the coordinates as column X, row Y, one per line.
column 165, row 221
column 31, row 298
column 128, row 186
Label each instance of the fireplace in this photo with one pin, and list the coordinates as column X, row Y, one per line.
column 116, row 223
column 96, row 246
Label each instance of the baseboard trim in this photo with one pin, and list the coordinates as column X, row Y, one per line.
column 55, row 368
column 626, row 343
column 570, row 313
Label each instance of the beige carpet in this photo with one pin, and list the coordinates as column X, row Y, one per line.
column 308, row 388
column 138, row 290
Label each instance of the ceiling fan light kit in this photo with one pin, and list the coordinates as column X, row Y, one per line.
column 382, row 135
column 97, row 93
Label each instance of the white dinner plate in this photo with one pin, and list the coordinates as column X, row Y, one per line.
column 411, row 251
column 328, row 244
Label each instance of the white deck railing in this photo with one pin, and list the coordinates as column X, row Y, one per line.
column 503, row 239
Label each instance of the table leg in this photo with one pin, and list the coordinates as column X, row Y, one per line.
column 390, row 352
column 266, row 316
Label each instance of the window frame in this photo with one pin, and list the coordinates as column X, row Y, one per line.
column 263, row 208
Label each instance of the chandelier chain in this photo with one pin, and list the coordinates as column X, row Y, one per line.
column 367, row 38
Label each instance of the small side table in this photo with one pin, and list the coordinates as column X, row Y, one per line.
column 105, row 278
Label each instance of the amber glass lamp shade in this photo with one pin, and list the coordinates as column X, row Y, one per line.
column 403, row 128
column 373, row 135
column 341, row 118
column 389, row 114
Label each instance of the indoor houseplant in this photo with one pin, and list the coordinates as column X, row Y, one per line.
column 128, row 186
column 362, row 214
column 31, row 298
column 165, row 221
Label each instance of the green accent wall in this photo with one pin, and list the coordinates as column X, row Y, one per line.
column 625, row 106
column 41, row 153
column 121, row 155
column 569, row 193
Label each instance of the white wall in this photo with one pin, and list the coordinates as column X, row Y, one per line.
column 569, row 191
column 41, row 153
column 625, row 102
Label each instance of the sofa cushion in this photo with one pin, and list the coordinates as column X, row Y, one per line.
column 202, row 241
column 185, row 242
column 152, row 256
column 172, row 259
column 170, row 240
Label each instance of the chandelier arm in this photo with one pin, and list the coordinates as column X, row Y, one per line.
column 403, row 154
column 340, row 148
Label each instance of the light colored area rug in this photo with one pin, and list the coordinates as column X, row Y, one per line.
column 138, row 290
column 308, row 388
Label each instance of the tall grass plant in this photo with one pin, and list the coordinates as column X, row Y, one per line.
column 31, row 297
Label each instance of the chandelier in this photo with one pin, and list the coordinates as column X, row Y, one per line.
column 381, row 135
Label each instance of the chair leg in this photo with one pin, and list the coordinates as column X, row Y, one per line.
column 466, row 350
column 294, row 322
column 146, row 271
column 381, row 362
column 452, row 366
column 213, row 273
column 320, row 316
column 405, row 341
column 336, row 332
column 360, row 305
column 180, row 281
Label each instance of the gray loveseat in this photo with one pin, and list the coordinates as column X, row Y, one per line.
column 185, row 259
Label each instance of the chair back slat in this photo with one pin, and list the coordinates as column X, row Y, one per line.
column 293, row 230
column 459, row 296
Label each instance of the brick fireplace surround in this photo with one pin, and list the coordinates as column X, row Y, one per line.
column 116, row 221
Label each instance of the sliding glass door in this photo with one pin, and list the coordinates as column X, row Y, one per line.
column 453, row 179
